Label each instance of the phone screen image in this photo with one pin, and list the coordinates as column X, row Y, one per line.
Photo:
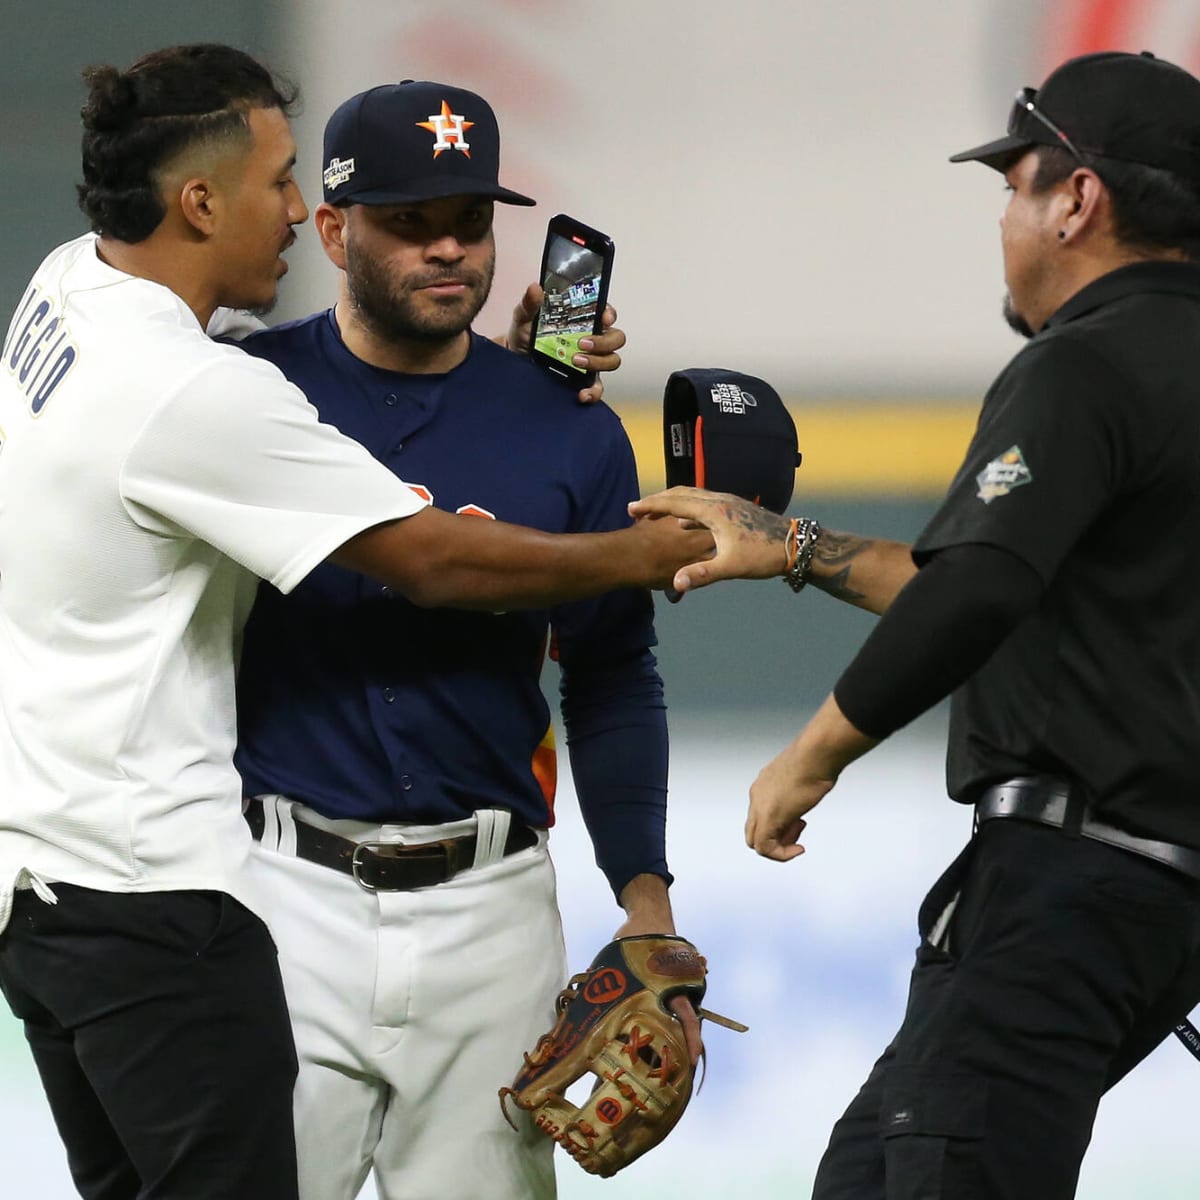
column 572, row 286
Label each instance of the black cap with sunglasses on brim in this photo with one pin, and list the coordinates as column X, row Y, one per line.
column 1131, row 107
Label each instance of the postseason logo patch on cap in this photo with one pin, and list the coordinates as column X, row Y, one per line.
column 338, row 172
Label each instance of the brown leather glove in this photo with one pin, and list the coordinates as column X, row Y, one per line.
column 614, row 1021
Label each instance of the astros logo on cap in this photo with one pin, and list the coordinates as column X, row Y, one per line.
column 449, row 129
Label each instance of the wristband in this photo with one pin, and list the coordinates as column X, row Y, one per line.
column 790, row 545
column 801, row 545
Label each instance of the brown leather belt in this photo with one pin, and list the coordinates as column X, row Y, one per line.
column 1049, row 802
column 386, row 866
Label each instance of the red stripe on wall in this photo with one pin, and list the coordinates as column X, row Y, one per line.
column 1107, row 25
column 1066, row 28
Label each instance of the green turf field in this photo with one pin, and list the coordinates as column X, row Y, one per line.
column 563, row 346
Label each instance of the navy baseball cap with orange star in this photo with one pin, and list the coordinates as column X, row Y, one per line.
column 405, row 142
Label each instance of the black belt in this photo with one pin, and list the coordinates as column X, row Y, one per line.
column 386, row 866
column 1050, row 802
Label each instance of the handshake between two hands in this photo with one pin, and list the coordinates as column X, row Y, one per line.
column 749, row 542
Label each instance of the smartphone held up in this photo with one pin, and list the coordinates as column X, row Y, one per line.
column 576, row 267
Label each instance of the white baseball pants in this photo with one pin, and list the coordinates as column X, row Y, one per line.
column 411, row 1009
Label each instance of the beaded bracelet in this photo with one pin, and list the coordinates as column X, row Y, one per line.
column 800, row 545
column 789, row 546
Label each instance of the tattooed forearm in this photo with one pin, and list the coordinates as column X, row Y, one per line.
column 838, row 586
column 770, row 527
column 866, row 572
column 832, row 561
column 835, row 549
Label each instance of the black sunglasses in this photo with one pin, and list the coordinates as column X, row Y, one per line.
column 1024, row 104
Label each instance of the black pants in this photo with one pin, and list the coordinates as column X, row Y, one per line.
column 161, row 1035
column 1065, row 963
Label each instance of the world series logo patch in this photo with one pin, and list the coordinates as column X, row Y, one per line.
column 729, row 398
column 1002, row 474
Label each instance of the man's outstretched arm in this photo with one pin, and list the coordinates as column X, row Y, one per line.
column 441, row 559
column 753, row 543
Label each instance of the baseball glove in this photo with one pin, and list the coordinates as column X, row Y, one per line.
column 614, row 1021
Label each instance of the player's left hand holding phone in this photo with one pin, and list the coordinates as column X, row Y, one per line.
column 564, row 322
column 602, row 356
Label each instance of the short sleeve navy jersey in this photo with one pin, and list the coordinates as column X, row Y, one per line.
column 1086, row 465
column 362, row 705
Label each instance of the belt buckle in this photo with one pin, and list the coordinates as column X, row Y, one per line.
column 451, row 849
column 356, row 863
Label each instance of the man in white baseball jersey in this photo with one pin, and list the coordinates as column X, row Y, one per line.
column 148, row 478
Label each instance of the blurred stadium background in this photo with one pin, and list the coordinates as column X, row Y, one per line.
column 775, row 179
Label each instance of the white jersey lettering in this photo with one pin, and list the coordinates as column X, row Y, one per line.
column 42, row 353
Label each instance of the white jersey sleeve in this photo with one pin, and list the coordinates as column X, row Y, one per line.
column 238, row 458
column 234, row 323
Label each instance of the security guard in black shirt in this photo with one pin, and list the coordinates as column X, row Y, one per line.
column 1056, row 593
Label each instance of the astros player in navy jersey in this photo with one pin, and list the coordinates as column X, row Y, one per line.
column 400, row 760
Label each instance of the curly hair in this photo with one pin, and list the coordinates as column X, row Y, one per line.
column 1153, row 209
column 137, row 121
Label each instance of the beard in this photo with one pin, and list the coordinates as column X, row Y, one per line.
column 394, row 311
column 1016, row 322
column 264, row 310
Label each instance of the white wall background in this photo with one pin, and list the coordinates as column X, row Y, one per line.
column 774, row 173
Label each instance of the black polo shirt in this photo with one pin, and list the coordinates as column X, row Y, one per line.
column 1086, row 464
